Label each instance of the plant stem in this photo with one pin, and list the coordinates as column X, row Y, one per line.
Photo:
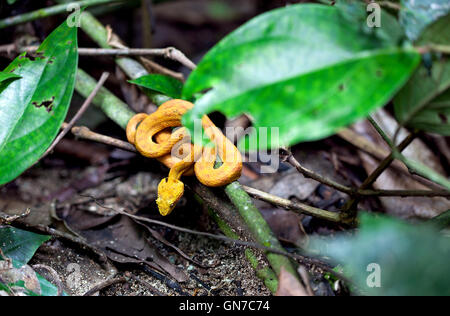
column 258, row 227
column 289, row 157
column 46, row 12
column 112, row 106
column 350, row 206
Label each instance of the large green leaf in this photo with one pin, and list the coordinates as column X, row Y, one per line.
column 413, row 259
column 437, row 33
column 166, row 85
column 33, row 108
column 424, row 102
column 20, row 245
column 415, row 15
column 304, row 69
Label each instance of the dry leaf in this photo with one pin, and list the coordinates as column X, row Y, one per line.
column 289, row 285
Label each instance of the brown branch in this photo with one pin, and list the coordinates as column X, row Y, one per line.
column 145, row 283
column 169, row 52
column 103, row 285
column 86, row 133
column 290, row 205
column 350, row 206
column 288, row 157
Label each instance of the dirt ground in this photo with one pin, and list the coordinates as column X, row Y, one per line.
column 228, row 272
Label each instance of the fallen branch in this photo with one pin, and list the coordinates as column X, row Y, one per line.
column 105, row 284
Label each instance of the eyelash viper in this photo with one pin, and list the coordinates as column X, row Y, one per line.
column 153, row 137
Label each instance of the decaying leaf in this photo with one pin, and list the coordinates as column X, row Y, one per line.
column 288, row 285
column 120, row 238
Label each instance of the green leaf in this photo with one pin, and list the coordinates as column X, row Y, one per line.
column 413, row 259
column 47, row 288
column 160, row 83
column 6, row 78
column 354, row 10
column 20, row 245
column 304, row 69
column 437, row 33
column 7, row 75
column 424, row 102
column 415, row 15
column 33, row 108
column 12, row 1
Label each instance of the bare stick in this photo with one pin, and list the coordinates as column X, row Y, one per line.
column 288, row 204
column 104, row 285
column 145, row 283
column 168, row 52
column 83, row 108
column 311, row 174
column 86, row 133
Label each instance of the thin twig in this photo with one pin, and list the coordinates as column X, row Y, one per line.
column 290, row 205
column 145, row 283
column 381, row 132
column 80, row 112
column 375, row 151
column 350, row 206
column 103, row 285
column 289, row 157
column 86, row 133
column 153, row 67
column 168, row 52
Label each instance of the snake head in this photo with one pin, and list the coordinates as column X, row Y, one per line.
column 169, row 192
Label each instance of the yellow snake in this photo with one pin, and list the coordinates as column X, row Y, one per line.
column 153, row 137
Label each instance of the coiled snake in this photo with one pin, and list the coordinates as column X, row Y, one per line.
column 153, row 137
